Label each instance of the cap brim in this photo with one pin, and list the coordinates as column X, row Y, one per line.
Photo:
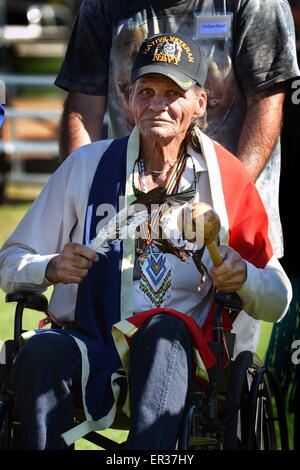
column 182, row 80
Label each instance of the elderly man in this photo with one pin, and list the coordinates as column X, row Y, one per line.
column 141, row 288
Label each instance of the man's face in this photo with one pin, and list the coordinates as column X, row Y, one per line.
column 161, row 109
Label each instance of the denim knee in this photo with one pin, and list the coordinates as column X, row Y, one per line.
column 164, row 326
column 44, row 352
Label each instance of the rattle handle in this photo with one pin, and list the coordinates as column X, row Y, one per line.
column 215, row 254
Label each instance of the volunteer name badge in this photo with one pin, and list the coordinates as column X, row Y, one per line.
column 213, row 26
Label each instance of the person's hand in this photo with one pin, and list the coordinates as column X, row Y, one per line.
column 232, row 273
column 72, row 265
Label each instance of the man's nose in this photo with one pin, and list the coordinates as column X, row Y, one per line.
column 158, row 102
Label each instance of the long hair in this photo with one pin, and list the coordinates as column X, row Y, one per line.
column 192, row 135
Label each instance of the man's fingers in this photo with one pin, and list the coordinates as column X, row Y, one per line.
column 70, row 274
column 72, row 265
column 82, row 250
column 228, row 286
column 71, row 280
column 76, row 260
column 66, row 271
column 228, row 275
column 227, row 265
column 231, row 274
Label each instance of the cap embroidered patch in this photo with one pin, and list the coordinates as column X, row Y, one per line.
column 167, row 52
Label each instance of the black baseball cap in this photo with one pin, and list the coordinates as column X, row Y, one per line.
column 178, row 57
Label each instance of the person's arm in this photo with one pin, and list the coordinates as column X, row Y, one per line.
column 261, row 129
column 84, row 75
column 264, row 62
column 54, row 220
column 82, row 121
column 44, row 230
column 36, row 240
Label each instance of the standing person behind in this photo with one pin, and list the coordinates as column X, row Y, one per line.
column 251, row 55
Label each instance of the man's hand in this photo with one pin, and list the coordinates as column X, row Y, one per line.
column 232, row 273
column 72, row 265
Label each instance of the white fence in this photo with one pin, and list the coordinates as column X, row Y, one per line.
column 16, row 148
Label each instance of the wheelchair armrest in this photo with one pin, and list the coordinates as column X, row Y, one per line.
column 29, row 300
column 25, row 300
column 7, row 350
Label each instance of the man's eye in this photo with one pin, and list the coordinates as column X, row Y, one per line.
column 174, row 93
column 145, row 92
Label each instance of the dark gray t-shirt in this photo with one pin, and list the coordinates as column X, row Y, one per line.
column 258, row 50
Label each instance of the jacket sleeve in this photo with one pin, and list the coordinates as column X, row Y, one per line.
column 86, row 63
column 264, row 44
column 37, row 238
column 267, row 292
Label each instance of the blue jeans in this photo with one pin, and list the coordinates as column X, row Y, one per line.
column 48, row 369
column 160, row 374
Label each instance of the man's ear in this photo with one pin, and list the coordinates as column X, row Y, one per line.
column 201, row 103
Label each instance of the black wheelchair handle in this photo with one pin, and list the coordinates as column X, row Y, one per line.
column 29, row 300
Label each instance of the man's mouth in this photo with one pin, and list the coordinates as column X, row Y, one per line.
column 157, row 120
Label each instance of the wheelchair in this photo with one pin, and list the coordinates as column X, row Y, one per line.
column 241, row 408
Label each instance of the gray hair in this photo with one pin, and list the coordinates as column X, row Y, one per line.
column 196, row 123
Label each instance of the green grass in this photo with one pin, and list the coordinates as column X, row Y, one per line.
column 264, row 339
column 10, row 215
column 38, row 65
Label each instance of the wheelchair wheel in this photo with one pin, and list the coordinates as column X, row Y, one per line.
column 254, row 410
column 236, row 402
column 297, row 411
column 267, row 427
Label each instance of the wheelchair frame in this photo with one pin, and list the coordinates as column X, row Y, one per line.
column 242, row 407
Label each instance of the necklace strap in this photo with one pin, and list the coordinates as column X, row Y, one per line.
column 176, row 174
column 157, row 171
column 152, row 227
column 173, row 179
